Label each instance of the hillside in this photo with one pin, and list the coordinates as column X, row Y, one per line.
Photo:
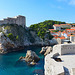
column 14, row 36
column 42, row 28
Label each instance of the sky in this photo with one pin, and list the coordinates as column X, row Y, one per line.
column 37, row 11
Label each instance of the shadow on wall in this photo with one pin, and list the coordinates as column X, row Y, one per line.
column 66, row 71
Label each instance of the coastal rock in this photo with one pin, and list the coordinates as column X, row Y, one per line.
column 46, row 50
column 43, row 50
column 31, row 57
column 5, row 43
column 21, row 58
column 49, row 49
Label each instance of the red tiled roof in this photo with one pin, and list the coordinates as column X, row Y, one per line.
column 70, row 29
column 62, row 37
column 69, row 35
column 65, row 24
column 51, row 29
column 57, row 25
column 59, row 31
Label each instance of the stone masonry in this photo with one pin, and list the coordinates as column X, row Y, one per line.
column 19, row 20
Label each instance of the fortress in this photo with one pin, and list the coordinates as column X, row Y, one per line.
column 19, row 20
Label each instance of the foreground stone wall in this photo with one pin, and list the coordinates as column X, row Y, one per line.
column 52, row 67
column 56, row 63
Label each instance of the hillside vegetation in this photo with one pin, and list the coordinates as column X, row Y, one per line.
column 42, row 28
column 19, row 35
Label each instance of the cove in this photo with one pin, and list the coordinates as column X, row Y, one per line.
column 9, row 64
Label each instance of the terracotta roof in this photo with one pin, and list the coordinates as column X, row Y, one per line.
column 65, row 24
column 61, row 24
column 57, row 25
column 70, row 29
column 62, row 37
column 51, row 29
column 69, row 35
column 72, row 35
column 59, row 31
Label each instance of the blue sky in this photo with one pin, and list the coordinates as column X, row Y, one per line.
column 39, row 10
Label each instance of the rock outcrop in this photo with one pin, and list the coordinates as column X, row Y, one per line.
column 43, row 50
column 31, row 57
column 49, row 50
column 14, row 36
column 46, row 50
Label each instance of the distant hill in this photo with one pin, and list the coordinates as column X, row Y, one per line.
column 42, row 27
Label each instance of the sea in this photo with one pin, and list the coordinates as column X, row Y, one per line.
column 10, row 64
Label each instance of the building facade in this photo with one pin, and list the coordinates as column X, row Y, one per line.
column 19, row 20
column 72, row 38
column 61, row 26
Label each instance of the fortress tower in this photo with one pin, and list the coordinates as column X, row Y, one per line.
column 19, row 20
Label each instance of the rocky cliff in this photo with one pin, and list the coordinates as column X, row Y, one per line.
column 14, row 36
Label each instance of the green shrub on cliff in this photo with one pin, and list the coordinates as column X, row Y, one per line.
column 17, row 37
column 10, row 36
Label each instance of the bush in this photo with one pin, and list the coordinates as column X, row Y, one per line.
column 10, row 36
column 17, row 37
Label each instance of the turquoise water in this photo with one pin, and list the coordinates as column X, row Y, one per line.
column 9, row 64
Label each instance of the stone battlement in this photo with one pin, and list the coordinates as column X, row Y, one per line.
column 19, row 20
column 64, row 49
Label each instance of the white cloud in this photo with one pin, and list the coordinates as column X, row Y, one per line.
column 72, row 2
column 57, row 7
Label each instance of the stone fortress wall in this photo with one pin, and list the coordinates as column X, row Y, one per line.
column 19, row 20
column 65, row 63
column 64, row 49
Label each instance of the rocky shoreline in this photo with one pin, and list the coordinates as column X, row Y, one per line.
column 18, row 48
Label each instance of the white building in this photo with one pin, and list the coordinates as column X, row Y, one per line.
column 57, row 27
column 19, row 20
column 61, row 26
column 72, row 38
